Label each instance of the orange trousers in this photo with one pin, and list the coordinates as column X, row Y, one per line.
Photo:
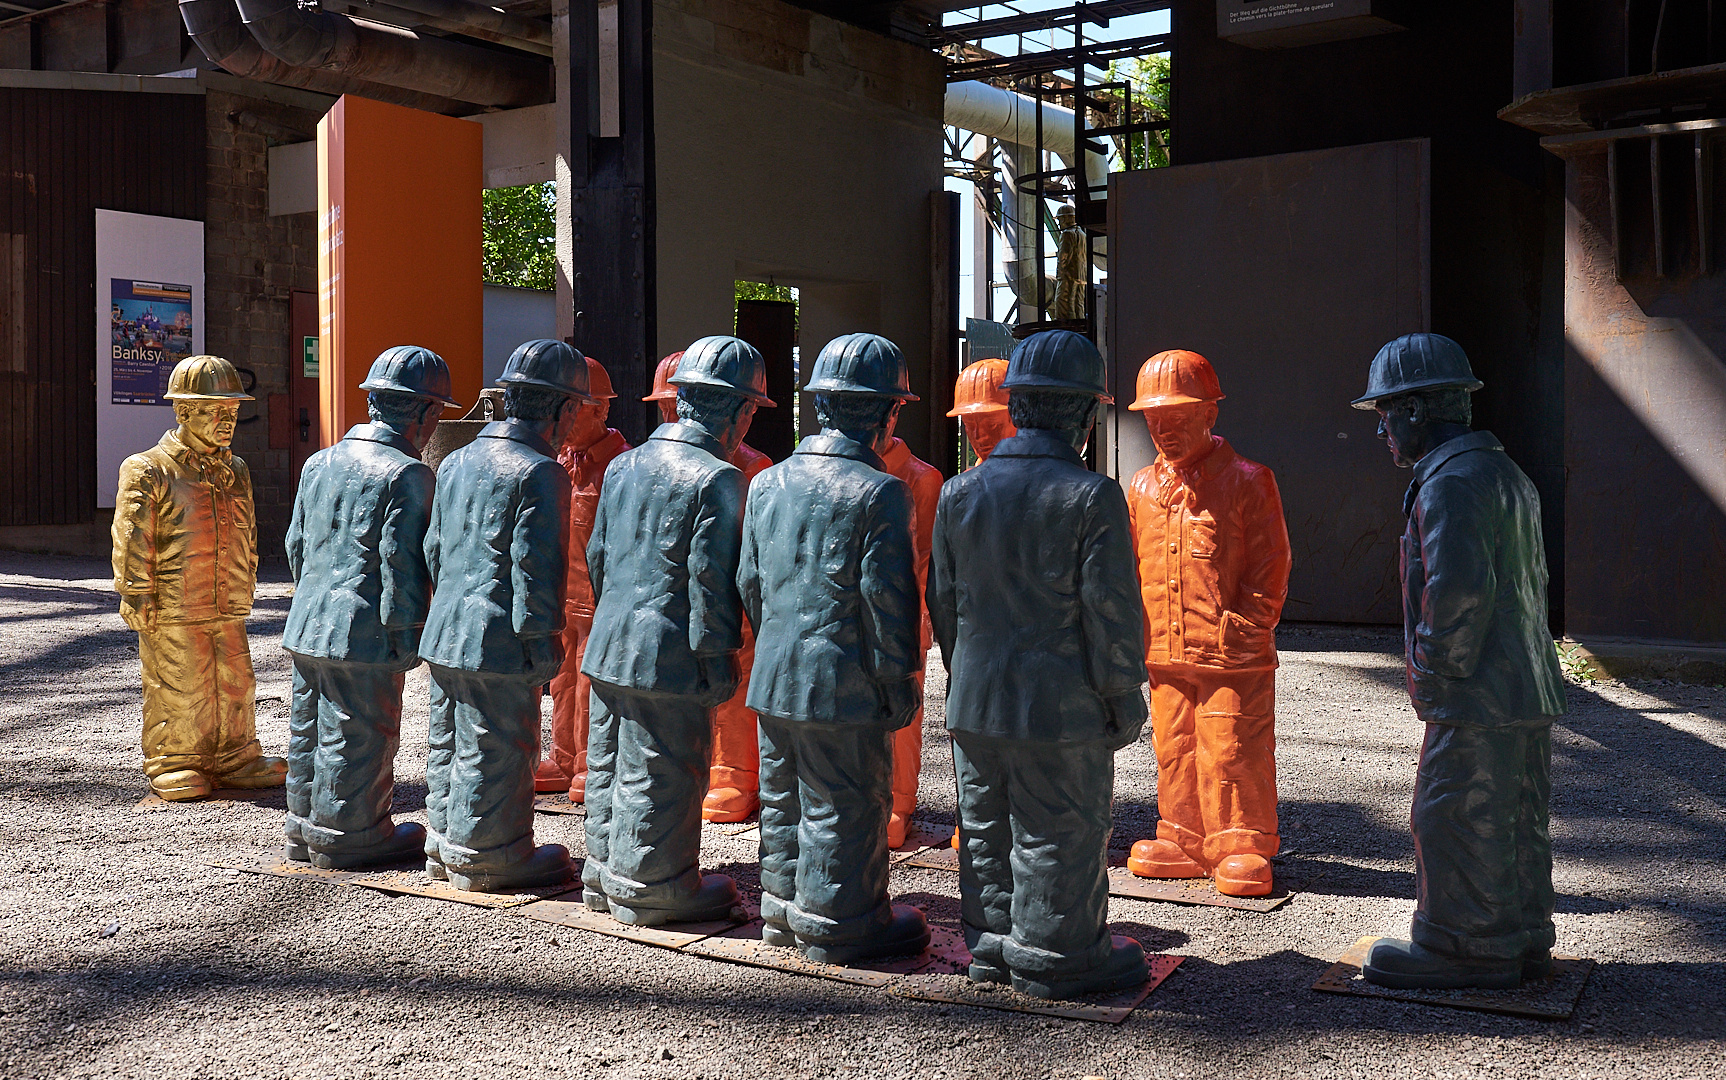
column 569, row 698
column 907, row 764
column 1215, row 737
column 736, row 746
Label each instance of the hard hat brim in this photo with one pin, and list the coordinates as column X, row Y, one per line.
column 661, row 395
column 828, row 386
column 1157, row 401
column 187, row 395
column 974, row 408
column 398, row 388
column 760, row 399
column 1370, row 401
column 512, row 379
column 1045, row 382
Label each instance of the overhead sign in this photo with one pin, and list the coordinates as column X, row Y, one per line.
column 1284, row 24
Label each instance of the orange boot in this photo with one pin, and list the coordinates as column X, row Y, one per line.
column 1244, row 875
column 734, row 781
column 1162, row 859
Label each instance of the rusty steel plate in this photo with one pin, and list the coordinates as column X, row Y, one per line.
column 940, row 857
column 558, row 803
column 1104, row 1009
column 1125, row 883
column 1552, row 998
column 924, row 836
column 419, row 883
column 278, row 867
column 575, row 913
column 255, row 796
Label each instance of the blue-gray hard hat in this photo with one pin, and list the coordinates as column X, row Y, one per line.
column 861, row 364
column 548, row 364
column 1057, row 360
column 724, row 363
column 409, row 369
column 1417, row 362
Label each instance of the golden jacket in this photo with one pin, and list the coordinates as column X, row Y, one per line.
column 185, row 532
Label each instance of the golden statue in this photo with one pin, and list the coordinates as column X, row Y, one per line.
column 185, row 566
column 1071, row 279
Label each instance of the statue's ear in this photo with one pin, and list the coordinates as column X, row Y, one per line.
column 1417, row 411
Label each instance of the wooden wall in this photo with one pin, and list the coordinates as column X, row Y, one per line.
column 63, row 154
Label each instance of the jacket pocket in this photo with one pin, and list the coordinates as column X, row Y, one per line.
column 1202, row 536
column 1238, row 639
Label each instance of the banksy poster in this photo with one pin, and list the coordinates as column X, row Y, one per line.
column 151, row 331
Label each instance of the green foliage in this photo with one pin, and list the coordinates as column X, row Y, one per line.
column 756, row 290
column 519, row 238
column 1575, row 662
column 1150, row 78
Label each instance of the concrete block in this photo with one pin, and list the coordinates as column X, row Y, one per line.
column 1627, row 658
column 757, row 49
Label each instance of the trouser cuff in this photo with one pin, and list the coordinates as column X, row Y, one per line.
column 650, row 894
column 1047, row 963
column 466, row 860
column 816, row 928
column 726, row 776
column 1219, row 846
column 1460, row 944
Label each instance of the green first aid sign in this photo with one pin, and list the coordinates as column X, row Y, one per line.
column 311, row 358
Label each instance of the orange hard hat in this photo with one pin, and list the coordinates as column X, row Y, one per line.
column 598, row 381
column 1176, row 377
column 979, row 388
column 662, row 388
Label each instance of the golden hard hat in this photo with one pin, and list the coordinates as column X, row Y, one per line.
column 1176, row 377
column 205, row 378
column 598, row 380
column 662, row 388
column 978, row 389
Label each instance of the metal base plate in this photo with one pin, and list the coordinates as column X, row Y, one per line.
column 278, row 867
column 575, row 913
column 558, row 803
column 743, row 945
column 1125, row 883
column 1552, row 998
column 419, row 883
column 1106, row 1009
column 153, row 801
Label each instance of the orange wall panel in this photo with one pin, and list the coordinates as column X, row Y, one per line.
column 398, row 248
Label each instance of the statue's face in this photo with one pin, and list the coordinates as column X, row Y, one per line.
column 1404, row 437
column 590, row 422
column 1182, row 432
column 212, row 422
column 986, row 430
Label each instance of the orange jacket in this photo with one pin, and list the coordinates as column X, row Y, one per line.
column 750, row 460
column 1213, row 556
column 586, row 470
column 925, row 482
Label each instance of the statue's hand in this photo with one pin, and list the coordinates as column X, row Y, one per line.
column 902, row 700
column 542, row 656
column 719, row 678
column 1127, row 716
column 139, row 611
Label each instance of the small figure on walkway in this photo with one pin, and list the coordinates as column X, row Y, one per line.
column 356, row 548
column 981, row 406
column 1483, row 676
column 1037, row 613
column 1072, row 281
column 185, row 566
column 734, row 782
column 591, row 446
column 666, row 630
column 828, row 576
column 1214, row 560
column 497, row 549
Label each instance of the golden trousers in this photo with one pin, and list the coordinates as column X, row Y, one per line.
column 1215, row 738
column 569, row 699
column 736, row 747
column 198, row 698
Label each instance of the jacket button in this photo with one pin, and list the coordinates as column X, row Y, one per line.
column 1173, row 584
column 1174, row 547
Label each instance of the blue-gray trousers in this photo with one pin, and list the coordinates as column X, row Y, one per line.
column 484, row 735
column 647, row 761
column 344, row 728
column 826, row 790
column 1033, row 857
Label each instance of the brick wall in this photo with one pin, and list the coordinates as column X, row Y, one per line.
column 251, row 261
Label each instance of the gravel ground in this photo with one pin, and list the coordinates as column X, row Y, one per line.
column 122, row 955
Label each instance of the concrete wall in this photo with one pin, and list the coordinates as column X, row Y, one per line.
column 795, row 147
column 513, row 316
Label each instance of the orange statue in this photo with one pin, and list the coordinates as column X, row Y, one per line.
column 925, row 482
column 734, row 779
column 584, row 455
column 981, row 406
column 1213, row 556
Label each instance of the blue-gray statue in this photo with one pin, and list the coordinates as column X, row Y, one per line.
column 829, row 581
column 667, row 624
column 497, row 549
column 1484, row 678
column 1035, row 601
column 356, row 548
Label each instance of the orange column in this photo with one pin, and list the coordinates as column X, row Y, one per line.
column 398, row 248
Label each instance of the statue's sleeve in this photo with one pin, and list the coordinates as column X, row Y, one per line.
column 749, row 568
column 296, row 538
column 715, row 607
column 887, row 580
column 1111, row 611
column 943, row 603
column 406, row 593
column 135, row 527
column 1264, row 583
column 1458, row 527
column 595, row 552
column 538, row 551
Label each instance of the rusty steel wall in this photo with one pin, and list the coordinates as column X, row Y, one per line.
column 1288, row 273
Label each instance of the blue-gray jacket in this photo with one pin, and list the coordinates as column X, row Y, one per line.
column 829, row 580
column 497, row 549
column 1035, row 598
column 1474, row 590
column 663, row 562
column 356, row 550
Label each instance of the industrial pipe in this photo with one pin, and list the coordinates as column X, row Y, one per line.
column 494, row 24
column 430, row 65
column 216, row 27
